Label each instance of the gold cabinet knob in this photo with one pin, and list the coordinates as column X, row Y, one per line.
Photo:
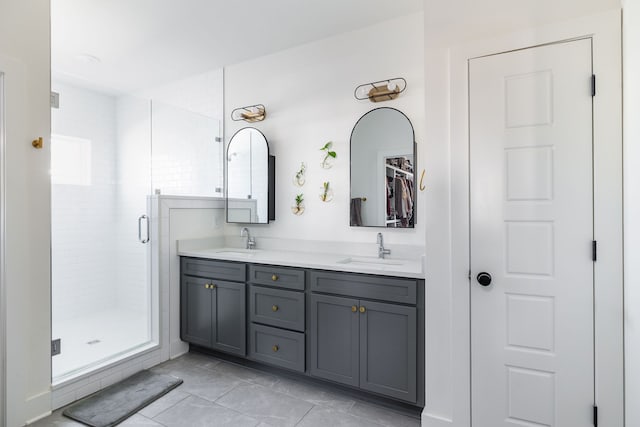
column 212, row 286
column 274, row 308
column 362, row 309
column 354, row 308
column 274, row 277
column 206, row 286
column 275, row 348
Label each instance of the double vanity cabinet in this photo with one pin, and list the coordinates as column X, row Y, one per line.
column 360, row 330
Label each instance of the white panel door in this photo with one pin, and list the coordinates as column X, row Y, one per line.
column 531, row 201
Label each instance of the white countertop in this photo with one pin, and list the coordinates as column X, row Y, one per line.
column 390, row 266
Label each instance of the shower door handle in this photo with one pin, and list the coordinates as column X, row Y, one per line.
column 146, row 239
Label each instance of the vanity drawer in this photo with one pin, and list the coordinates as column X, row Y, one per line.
column 277, row 346
column 390, row 289
column 281, row 277
column 277, row 307
column 223, row 270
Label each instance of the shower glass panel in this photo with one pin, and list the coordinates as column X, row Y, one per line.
column 187, row 156
column 101, row 176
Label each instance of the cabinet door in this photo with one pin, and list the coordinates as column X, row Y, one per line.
column 388, row 349
column 195, row 308
column 334, row 338
column 229, row 317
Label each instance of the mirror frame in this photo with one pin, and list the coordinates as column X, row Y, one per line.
column 271, row 181
column 415, row 169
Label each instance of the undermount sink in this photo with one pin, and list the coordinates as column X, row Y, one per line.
column 370, row 261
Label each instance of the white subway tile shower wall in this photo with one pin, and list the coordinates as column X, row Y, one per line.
column 134, row 184
column 186, row 155
column 83, row 216
column 187, row 117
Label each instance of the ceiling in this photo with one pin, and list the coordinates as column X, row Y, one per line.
column 126, row 46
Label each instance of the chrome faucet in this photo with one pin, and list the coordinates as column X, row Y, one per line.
column 381, row 250
column 251, row 241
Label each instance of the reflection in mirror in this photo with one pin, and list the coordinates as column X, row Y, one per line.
column 249, row 178
column 382, row 167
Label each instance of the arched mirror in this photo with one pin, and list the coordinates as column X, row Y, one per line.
column 383, row 154
column 250, row 178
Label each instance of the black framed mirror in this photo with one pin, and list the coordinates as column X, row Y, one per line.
column 250, row 178
column 383, row 154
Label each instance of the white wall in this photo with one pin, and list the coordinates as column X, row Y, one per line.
column 82, row 217
column 308, row 94
column 438, row 315
column 631, row 71
column 447, row 25
column 24, row 55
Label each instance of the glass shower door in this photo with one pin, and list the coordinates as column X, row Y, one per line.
column 101, row 176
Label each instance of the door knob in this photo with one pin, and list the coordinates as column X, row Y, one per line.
column 484, row 279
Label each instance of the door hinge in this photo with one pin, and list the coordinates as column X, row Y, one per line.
column 469, row 275
column 55, row 100
column 593, row 85
column 55, row 347
column 594, row 250
column 218, row 139
column 595, row 415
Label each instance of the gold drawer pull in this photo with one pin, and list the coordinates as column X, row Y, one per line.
column 354, row 308
column 275, row 348
column 274, row 308
column 274, row 277
column 362, row 309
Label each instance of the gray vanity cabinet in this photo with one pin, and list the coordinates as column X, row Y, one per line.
column 197, row 315
column 335, row 339
column 277, row 315
column 361, row 330
column 388, row 353
column 213, row 311
column 229, row 317
column 368, row 344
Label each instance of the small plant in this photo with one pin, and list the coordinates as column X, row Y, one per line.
column 328, row 154
column 299, row 177
column 298, row 209
column 325, row 192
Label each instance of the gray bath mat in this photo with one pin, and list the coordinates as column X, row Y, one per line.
column 118, row 402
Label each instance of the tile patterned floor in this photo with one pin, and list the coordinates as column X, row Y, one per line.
column 219, row 393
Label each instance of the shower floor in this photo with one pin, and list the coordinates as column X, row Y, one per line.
column 90, row 340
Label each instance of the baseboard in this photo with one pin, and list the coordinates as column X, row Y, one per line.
column 39, row 404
